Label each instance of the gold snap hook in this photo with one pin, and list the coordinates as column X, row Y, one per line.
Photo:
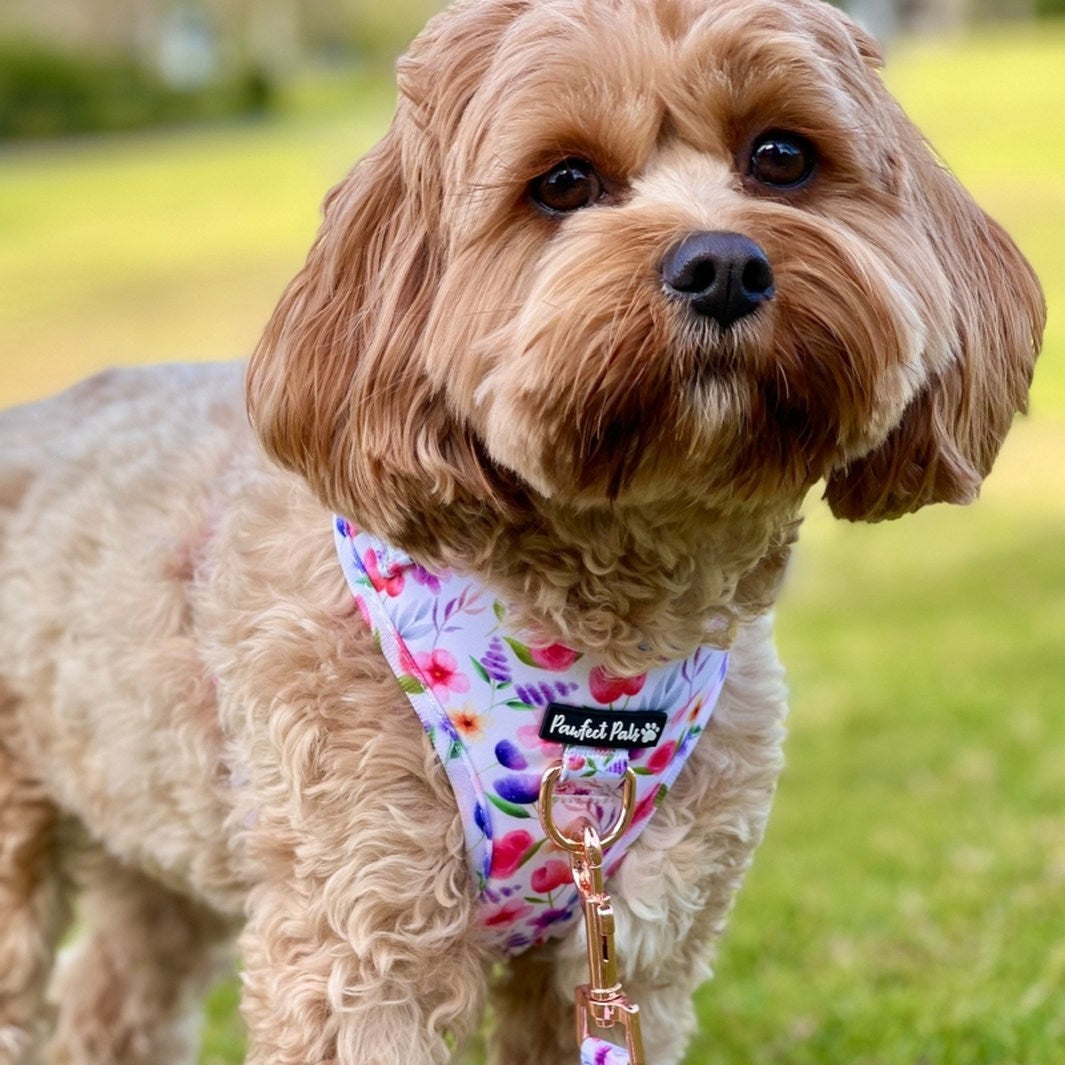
column 601, row 1003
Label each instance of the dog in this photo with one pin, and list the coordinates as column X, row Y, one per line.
column 624, row 280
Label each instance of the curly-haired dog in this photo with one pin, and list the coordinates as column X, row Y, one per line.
column 624, row 279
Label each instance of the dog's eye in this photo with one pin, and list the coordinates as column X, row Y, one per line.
column 568, row 186
column 782, row 160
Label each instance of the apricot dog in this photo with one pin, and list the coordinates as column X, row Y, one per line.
column 622, row 282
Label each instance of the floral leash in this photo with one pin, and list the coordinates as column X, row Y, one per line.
column 489, row 703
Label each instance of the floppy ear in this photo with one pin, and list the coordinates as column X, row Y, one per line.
column 953, row 428
column 336, row 388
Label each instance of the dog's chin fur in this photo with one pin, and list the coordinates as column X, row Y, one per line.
column 191, row 709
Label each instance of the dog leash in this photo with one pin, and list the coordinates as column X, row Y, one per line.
column 602, row 1004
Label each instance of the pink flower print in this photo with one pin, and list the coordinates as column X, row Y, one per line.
column 557, row 657
column 508, row 852
column 607, row 688
column 441, row 672
column 662, row 757
column 575, row 762
column 529, row 737
column 391, row 585
column 551, row 875
column 645, row 807
column 364, row 611
column 406, row 659
column 508, row 913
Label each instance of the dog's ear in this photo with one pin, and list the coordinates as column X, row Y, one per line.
column 336, row 388
column 952, row 429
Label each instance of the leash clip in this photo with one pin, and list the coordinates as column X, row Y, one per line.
column 601, row 1003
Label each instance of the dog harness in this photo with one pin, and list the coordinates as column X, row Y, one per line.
column 500, row 712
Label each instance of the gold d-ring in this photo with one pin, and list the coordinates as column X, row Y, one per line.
column 569, row 843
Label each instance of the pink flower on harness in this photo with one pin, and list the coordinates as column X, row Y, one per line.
column 550, row 876
column 607, row 689
column 508, row 913
column 509, row 852
column 441, row 672
column 391, row 585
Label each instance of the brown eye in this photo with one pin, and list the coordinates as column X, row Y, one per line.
column 568, row 186
column 782, row 160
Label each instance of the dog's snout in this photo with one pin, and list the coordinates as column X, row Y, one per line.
column 721, row 275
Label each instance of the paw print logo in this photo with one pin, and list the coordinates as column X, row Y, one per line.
column 650, row 733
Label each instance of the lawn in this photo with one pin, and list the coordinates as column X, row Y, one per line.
column 906, row 908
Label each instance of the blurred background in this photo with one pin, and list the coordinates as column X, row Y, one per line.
column 161, row 166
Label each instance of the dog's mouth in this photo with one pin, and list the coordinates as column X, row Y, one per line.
column 694, row 420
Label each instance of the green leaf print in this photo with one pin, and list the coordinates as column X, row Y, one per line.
column 508, row 807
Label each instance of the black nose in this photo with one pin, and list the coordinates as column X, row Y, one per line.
column 724, row 276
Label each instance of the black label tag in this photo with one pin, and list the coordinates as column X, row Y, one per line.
column 581, row 726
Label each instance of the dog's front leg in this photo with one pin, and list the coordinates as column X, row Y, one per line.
column 358, row 949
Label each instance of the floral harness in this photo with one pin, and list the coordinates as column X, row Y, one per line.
column 485, row 696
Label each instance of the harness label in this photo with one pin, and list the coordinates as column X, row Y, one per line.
column 582, row 726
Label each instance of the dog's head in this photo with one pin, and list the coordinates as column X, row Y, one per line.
column 647, row 252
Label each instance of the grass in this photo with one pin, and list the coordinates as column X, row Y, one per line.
column 906, row 906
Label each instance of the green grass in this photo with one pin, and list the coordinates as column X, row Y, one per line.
column 906, row 908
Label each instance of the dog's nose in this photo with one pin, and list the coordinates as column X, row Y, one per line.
column 724, row 276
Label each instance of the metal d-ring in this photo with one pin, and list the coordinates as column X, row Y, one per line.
column 576, row 845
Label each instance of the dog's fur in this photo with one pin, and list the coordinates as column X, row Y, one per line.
column 196, row 730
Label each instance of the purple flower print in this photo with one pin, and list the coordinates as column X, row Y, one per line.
column 521, row 789
column 559, row 915
column 530, row 695
column 516, row 943
column 508, row 756
column 598, row 1052
column 425, row 578
column 494, row 661
column 482, row 820
column 543, row 693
